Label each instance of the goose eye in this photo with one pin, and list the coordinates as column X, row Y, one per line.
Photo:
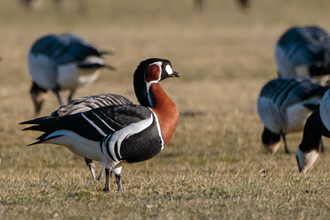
column 169, row 69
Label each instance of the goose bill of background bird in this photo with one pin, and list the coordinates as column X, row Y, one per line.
column 304, row 52
column 116, row 133
column 317, row 125
column 62, row 62
column 283, row 107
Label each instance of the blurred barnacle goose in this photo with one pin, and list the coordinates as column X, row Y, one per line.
column 244, row 4
column 317, row 125
column 304, row 52
column 62, row 62
column 30, row 3
column 88, row 103
column 119, row 133
column 200, row 5
column 283, row 107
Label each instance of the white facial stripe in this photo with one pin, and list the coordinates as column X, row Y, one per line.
column 159, row 64
column 169, row 69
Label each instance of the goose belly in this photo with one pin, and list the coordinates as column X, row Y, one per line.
column 77, row 144
column 43, row 71
column 297, row 115
column 71, row 77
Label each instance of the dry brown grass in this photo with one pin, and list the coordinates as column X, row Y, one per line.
column 215, row 167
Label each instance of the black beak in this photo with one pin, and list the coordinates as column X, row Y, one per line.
column 107, row 52
column 175, row 74
column 109, row 67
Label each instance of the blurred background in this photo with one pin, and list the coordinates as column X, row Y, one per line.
column 224, row 53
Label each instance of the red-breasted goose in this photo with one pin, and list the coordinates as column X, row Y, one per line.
column 304, row 52
column 62, row 62
column 283, row 107
column 116, row 133
column 317, row 125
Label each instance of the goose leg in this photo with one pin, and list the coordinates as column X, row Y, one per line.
column 91, row 167
column 117, row 176
column 71, row 95
column 285, row 144
column 107, row 181
column 322, row 146
column 117, row 171
column 38, row 95
column 101, row 174
column 118, row 181
column 57, row 93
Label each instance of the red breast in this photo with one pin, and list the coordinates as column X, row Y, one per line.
column 166, row 111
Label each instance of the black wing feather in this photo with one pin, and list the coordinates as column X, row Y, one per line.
column 94, row 124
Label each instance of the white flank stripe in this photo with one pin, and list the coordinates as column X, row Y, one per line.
column 104, row 148
column 159, row 130
column 103, row 122
column 94, row 125
column 126, row 132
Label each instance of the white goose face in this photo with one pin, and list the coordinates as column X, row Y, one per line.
column 306, row 160
column 272, row 148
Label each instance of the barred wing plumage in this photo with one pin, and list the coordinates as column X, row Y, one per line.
column 88, row 103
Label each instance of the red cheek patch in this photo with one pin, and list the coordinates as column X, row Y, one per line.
column 152, row 73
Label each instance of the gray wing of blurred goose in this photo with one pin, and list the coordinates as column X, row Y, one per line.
column 303, row 52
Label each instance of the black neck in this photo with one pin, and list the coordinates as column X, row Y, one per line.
column 140, row 86
column 269, row 137
column 315, row 70
column 36, row 89
column 313, row 131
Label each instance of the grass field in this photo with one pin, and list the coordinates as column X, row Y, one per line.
column 215, row 166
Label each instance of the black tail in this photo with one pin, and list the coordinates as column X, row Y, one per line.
column 75, row 123
column 47, row 125
column 41, row 124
